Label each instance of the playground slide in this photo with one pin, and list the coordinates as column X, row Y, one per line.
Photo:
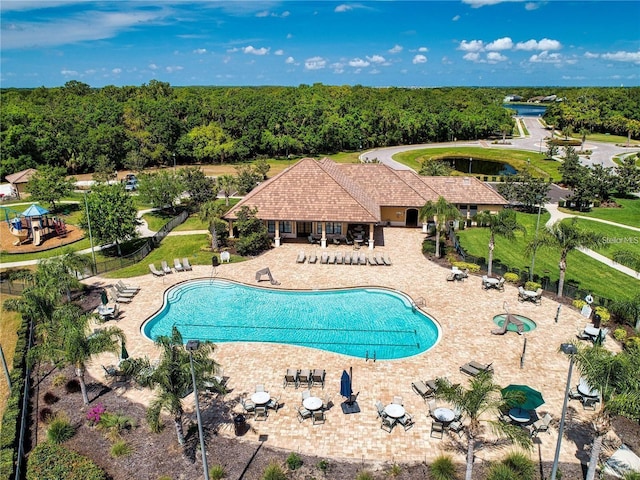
column 22, row 234
column 37, row 240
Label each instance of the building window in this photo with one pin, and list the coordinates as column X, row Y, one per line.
column 334, row 228
column 285, row 227
column 271, row 226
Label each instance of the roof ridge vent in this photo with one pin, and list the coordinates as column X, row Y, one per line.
column 466, row 181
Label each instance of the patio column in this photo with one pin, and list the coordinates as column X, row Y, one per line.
column 277, row 237
column 323, row 240
column 230, row 228
column 371, row 227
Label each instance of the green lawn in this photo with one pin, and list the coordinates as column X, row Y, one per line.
column 627, row 214
column 590, row 274
column 516, row 158
column 19, row 257
column 604, row 137
column 618, row 238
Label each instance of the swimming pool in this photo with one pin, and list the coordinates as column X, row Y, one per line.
column 359, row 322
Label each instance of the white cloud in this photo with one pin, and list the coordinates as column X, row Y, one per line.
column 472, row 46
column 396, row 49
column 264, row 13
column 419, row 59
column 544, row 44
column 376, row 59
column 482, row 3
column 67, row 73
column 358, row 62
column 456, row 18
column 504, row 43
column 546, row 57
column 279, row 52
column 445, row 61
column 621, row 56
column 289, row 36
column 177, row 68
column 472, row 57
column 531, row 6
column 343, row 8
column 153, row 66
column 289, row 60
column 495, row 57
column 315, row 63
column 116, row 71
column 338, row 67
column 285, row 14
column 200, row 51
column 423, row 49
column 255, row 51
column 591, row 55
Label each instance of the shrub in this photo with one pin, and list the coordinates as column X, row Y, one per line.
column 443, row 468
column 533, row 286
column 59, row 380
column 94, row 414
column 50, row 398
column 49, row 460
column 632, row 476
column 472, row 267
column 113, row 424
column 632, row 342
column 511, row 277
column 294, row 461
column 274, row 472
column 72, row 386
column 500, row 471
column 121, row 449
column 429, row 247
column 60, row 429
column 364, row 475
column 521, row 465
column 216, row 472
column 323, row 466
column 46, row 414
column 620, row 334
column 579, row 303
column 605, row 316
column 395, row 470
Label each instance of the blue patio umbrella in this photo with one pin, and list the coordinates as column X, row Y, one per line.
column 345, row 384
column 35, row 211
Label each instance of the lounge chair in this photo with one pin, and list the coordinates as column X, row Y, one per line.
column 186, row 265
column 474, row 368
column 362, row 258
column 127, row 288
column 387, row 260
column 177, row 266
column 318, row 417
column 422, row 389
column 304, row 377
column 113, row 293
column 347, row 258
column 372, row 259
column 317, row 377
column 165, row 267
column 324, row 258
column 291, row 378
column 339, row 258
column 301, row 257
column 332, row 258
column 124, row 293
column 155, row 271
column 379, row 259
column 312, row 257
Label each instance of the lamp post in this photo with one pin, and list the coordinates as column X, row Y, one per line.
column 535, row 238
column 93, row 253
column 571, row 350
column 174, row 162
column 192, row 345
column 470, row 160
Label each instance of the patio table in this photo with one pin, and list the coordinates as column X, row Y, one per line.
column 312, row 403
column 445, row 415
column 491, row 282
column 587, row 390
column 592, row 331
column 260, row 398
column 394, row 410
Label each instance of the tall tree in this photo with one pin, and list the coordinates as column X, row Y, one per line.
column 627, row 177
column 227, row 185
column 503, row 224
column 442, row 212
column 566, row 236
column 525, row 190
column 112, row 215
column 211, row 212
column 482, row 399
column 160, row 189
column 199, row 187
column 67, row 341
column 49, row 185
column 59, row 273
column 615, row 376
column 435, row 168
column 172, row 378
column 571, row 170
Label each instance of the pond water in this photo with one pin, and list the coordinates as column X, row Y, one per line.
column 484, row 167
column 527, row 110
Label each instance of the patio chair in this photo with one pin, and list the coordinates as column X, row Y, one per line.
column 113, row 315
column 500, row 285
column 339, row 258
column 406, row 421
column 521, row 295
column 451, row 277
column 432, row 407
column 456, row 427
column 335, row 240
column 109, row 371
column 437, row 428
column 312, row 257
column 186, row 265
column 538, row 297
column 589, row 403
column 303, row 414
column 574, row 394
column 380, row 409
column 247, row 405
column 301, row 257
column 305, row 394
column 165, row 267
column 318, row 417
column 274, row 404
column 422, row 389
column 397, row 400
column 261, row 414
column 177, row 266
column 387, row 260
column 503, row 416
column 155, row 271
column 540, row 425
column 326, row 402
column 259, row 388
column 388, row 423
column 290, row 378
column 127, row 288
column 304, row 377
column 317, row 377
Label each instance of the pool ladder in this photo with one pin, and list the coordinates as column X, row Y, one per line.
column 366, row 356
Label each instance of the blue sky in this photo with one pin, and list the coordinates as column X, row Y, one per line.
column 381, row 43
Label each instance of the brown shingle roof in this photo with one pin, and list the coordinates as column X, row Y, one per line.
column 464, row 190
column 21, row 177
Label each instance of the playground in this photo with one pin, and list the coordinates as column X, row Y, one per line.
column 34, row 230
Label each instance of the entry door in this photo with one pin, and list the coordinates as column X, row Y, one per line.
column 304, row 229
column 412, row 217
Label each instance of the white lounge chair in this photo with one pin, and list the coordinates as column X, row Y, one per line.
column 177, row 266
column 127, row 287
column 312, row 257
column 301, row 257
column 155, row 271
column 186, row 265
column 165, row 267
column 387, row 260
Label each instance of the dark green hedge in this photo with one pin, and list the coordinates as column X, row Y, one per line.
column 49, row 461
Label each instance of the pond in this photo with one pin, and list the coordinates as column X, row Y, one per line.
column 479, row 166
column 527, row 110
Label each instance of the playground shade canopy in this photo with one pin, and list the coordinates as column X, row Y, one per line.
column 35, row 211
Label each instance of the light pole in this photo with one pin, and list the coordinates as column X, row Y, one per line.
column 571, row 350
column 192, row 346
column 470, row 160
column 174, row 162
column 93, row 253
column 535, row 238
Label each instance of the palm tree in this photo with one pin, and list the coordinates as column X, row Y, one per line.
column 57, row 271
column 503, row 224
column 227, row 185
column 629, row 310
column 172, row 378
column 566, row 237
column 66, row 341
column 442, row 212
column 615, row 376
column 481, row 400
column 211, row 212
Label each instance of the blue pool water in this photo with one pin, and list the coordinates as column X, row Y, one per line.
column 353, row 322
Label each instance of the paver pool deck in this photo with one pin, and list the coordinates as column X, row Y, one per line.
column 464, row 311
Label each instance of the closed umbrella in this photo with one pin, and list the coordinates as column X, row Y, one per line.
column 123, row 352
column 345, row 385
column 104, row 298
column 532, row 398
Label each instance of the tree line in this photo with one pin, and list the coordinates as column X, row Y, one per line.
column 107, row 129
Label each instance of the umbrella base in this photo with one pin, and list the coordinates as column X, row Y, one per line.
column 348, row 408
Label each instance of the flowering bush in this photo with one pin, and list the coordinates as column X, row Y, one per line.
column 533, row 286
column 94, row 414
column 605, row 316
column 511, row 277
column 578, row 303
